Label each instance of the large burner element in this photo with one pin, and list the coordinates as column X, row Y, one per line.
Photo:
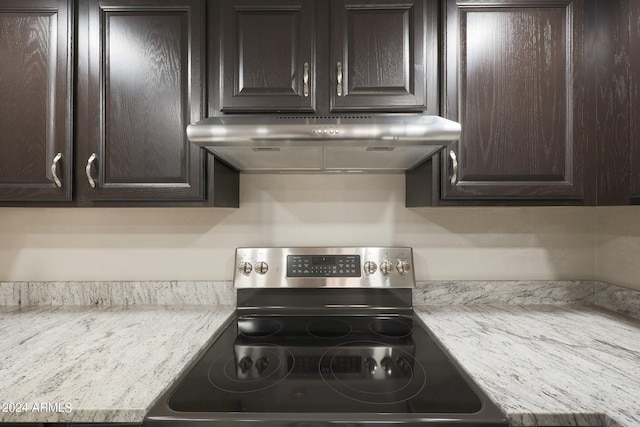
column 387, row 375
column 324, row 337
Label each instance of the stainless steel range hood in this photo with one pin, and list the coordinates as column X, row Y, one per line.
column 322, row 144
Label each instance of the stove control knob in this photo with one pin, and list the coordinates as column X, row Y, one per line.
column 244, row 364
column 261, row 267
column 371, row 365
column 403, row 266
column 387, row 365
column 386, row 267
column 245, row 268
column 370, row 267
column 262, row 364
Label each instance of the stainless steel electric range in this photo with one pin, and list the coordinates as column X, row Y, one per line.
column 324, row 337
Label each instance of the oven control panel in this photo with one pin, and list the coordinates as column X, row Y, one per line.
column 322, row 267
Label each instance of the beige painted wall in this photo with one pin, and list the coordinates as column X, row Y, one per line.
column 618, row 246
column 539, row 243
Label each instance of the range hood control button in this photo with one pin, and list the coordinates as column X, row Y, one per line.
column 245, row 268
column 370, row 267
column 386, row 267
column 403, row 266
column 262, row 267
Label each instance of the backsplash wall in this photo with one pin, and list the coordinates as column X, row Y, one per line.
column 109, row 244
column 618, row 247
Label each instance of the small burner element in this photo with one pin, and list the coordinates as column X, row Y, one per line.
column 328, row 328
column 391, row 328
column 258, row 327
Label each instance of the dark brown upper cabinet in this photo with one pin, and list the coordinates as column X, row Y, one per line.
column 383, row 55
column 607, row 57
column 320, row 56
column 514, row 80
column 634, row 93
column 268, row 55
column 36, row 70
column 140, row 83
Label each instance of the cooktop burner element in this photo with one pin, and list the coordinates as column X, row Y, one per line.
column 388, row 378
column 345, row 354
column 390, row 328
column 328, row 328
column 251, row 328
column 247, row 374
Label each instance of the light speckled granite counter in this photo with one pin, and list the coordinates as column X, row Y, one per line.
column 108, row 350
column 96, row 364
column 559, row 365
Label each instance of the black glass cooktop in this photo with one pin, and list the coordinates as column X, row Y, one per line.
column 310, row 364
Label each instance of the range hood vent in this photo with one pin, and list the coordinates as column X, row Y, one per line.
column 372, row 143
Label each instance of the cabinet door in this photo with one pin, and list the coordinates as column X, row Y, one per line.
column 514, row 81
column 381, row 59
column 268, row 55
column 140, row 84
column 36, row 70
column 634, row 112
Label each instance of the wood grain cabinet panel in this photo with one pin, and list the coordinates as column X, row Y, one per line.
column 36, row 69
column 322, row 56
column 381, row 55
column 607, row 57
column 634, row 99
column 140, row 84
column 268, row 55
column 514, row 79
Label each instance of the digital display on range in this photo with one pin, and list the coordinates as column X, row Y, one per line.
column 323, row 260
column 323, row 266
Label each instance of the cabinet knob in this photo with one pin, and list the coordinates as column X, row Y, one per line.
column 339, row 78
column 54, row 170
column 87, row 170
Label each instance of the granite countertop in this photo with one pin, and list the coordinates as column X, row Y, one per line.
column 547, row 364
column 561, row 364
column 96, row 364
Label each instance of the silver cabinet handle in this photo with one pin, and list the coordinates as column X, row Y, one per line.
column 339, row 78
column 305, row 79
column 87, row 170
column 54, row 170
column 454, row 167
